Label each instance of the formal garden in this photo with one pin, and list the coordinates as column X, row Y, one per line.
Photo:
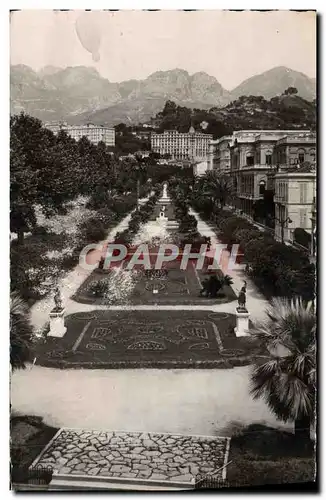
column 67, row 194
column 149, row 339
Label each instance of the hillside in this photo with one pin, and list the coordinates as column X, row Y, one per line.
column 273, row 82
column 283, row 112
column 79, row 94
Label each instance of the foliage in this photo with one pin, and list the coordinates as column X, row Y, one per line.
column 276, row 268
column 302, row 237
column 92, row 231
column 43, row 171
column 217, row 188
column 285, row 112
column 287, row 379
column 262, row 472
column 244, row 236
column 213, row 284
column 290, row 91
column 21, row 332
column 98, row 288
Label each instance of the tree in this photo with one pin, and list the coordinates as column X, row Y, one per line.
column 291, row 91
column 20, row 332
column 287, row 379
column 216, row 187
column 41, row 172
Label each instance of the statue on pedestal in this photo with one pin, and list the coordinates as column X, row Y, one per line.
column 58, row 299
column 242, row 297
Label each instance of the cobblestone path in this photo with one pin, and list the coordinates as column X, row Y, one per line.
column 151, row 456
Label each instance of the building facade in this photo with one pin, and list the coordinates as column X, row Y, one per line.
column 220, row 149
column 294, row 197
column 94, row 133
column 254, row 155
column 200, row 168
column 190, row 146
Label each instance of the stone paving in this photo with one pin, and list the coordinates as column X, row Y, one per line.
column 140, row 455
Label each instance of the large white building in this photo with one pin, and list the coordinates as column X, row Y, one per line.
column 94, row 133
column 189, row 146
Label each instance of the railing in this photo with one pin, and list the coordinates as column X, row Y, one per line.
column 210, row 483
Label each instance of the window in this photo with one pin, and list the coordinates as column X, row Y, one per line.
column 250, row 161
column 262, row 187
column 301, row 157
column 303, row 192
column 268, row 159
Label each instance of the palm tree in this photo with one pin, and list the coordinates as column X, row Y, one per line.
column 216, row 187
column 287, row 380
column 21, row 332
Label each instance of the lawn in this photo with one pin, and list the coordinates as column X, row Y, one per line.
column 148, row 339
column 28, row 436
column 262, row 455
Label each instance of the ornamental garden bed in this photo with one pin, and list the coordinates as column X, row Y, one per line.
column 178, row 286
column 149, row 339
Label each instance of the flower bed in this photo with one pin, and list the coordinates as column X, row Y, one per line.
column 131, row 339
column 54, row 248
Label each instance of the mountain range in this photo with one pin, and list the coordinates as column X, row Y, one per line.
column 80, row 94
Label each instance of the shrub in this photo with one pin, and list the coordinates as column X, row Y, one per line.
column 277, row 269
column 230, row 225
column 302, row 237
column 107, row 216
column 92, row 231
column 123, row 238
column 243, row 236
column 254, row 248
column 40, row 231
column 255, row 473
column 98, row 288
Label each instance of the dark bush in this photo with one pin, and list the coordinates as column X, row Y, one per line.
column 92, row 231
column 302, row 237
column 98, row 288
column 257, row 473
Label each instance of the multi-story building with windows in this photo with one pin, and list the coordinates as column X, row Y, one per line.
column 190, row 146
column 219, row 154
column 295, row 194
column 94, row 133
column 254, row 155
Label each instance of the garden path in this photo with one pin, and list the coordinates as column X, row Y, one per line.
column 70, row 284
column 256, row 302
column 181, row 401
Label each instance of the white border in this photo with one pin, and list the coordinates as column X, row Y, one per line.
column 121, row 4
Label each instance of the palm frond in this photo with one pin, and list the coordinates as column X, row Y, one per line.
column 287, row 382
column 21, row 332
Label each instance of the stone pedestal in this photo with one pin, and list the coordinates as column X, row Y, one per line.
column 162, row 218
column 242, row 328
column 57, row 323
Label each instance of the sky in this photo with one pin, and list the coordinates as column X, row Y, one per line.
column 232, row 46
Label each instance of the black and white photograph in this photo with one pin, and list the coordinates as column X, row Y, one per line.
column 163, row 250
